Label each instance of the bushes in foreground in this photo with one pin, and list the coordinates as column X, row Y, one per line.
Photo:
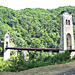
column 16, row 64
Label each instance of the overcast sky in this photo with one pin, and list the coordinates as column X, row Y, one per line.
column 46, row 4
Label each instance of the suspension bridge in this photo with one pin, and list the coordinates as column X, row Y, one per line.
column 66, row 39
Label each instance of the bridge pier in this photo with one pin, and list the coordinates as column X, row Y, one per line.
column 67, row 35
column 72, row 54
column 6, row 44
column 26, row 55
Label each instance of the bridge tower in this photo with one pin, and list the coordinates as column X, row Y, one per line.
column 6, row 44
column 67, row 36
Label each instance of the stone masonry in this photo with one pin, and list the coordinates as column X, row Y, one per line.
column 66, row 29
column 6, row 44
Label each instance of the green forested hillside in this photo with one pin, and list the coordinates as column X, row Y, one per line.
column 38, row 27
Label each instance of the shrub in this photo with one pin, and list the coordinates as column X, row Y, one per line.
column 16, row 64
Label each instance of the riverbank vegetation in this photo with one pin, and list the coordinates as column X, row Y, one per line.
column 17, row 64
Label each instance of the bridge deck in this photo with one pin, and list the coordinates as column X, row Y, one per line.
column 38, row 49
column 35, row 49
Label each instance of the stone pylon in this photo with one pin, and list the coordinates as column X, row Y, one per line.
column 26, row 55
column 67, row 36
column 6, row 44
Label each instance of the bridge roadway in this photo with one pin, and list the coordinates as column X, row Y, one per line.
column 35, row 49
column 38, row 49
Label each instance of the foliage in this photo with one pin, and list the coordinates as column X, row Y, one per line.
column 1, row 49
column 16, row 64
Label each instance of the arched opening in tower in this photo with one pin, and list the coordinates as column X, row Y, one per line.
column 69, row 41
column 6, row 44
